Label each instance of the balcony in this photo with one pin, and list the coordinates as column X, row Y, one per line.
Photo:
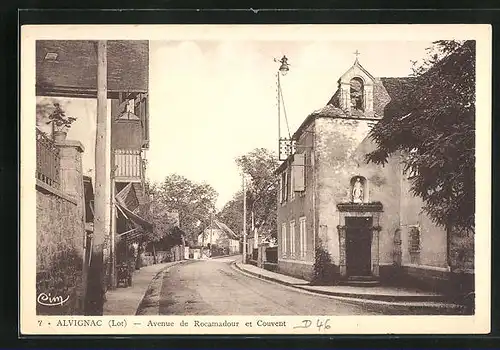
column 128, row 165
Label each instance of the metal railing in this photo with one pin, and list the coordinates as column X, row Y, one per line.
column 47, row 160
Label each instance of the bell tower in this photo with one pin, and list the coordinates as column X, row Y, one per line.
column 356, row 90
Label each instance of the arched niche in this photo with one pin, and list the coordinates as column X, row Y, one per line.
column 357, row 94
column 359, row 190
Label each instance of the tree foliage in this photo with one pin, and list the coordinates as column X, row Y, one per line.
column 258, row 165
column 193, row 201
column 232, row 213
column 262, row 188
column 433, row 128
column 159, row 214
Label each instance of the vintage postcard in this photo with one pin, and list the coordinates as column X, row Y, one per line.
column 267, row 179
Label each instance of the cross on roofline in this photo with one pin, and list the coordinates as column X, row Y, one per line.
column 357, row 53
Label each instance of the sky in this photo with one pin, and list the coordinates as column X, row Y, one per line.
column 212, row 101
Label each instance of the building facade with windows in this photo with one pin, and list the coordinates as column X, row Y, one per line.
column 363, row 215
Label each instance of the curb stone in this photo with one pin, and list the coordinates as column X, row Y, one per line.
column 394, row 306
column 222, row 256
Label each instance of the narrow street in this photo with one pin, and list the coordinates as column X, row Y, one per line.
column 213, row 287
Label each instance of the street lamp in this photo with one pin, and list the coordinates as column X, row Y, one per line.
column 285, row 66
column 285, row 147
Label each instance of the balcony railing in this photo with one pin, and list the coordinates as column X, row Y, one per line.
column 128, row 165
column 47, row 160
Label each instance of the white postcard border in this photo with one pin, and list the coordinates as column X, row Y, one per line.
column 31, row 324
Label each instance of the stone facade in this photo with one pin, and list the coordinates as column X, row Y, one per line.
column 60, row 235
column 294, row 207
column 303, row 270
column 402, row 244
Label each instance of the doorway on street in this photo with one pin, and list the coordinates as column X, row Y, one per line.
column 358, row 246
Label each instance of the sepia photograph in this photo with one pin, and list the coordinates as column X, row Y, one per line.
column 252, row 175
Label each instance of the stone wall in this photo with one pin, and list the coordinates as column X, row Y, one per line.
column 303, row 270
column 433, row 241
column 335, row 145
column 60, row 237
column 59, row 256
column 384, row 186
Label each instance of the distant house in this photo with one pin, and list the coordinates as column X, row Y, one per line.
column 221, row 236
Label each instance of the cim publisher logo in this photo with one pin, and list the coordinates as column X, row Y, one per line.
column 49, row 300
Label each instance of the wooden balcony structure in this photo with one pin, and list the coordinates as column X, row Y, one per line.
column 128, row 166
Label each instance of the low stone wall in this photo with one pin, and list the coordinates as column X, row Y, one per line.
column 428, row 279
column 162, row 256
column 59, row 254
column 270, row 266
column 296, row 269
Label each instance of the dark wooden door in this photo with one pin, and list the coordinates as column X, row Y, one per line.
column 358, row 246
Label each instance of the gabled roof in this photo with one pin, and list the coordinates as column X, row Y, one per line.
column 385, row 90
column 356, row 64
column 230, row 233
column 218, row 225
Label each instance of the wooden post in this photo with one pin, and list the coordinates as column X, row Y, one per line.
column 244, row 222
column 113, row 234
column 96, row 280
column 254, row 231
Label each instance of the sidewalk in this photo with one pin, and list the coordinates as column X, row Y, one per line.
column 125, row 301
column 393, row 296
column 224, row 256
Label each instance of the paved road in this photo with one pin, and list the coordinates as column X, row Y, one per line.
column 213, row 287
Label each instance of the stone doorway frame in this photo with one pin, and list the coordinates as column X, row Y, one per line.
column 372, row 210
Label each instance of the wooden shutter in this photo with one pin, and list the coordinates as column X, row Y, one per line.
column 142, row 110
column 280, row 189
column 287, row 175
column 298, row 170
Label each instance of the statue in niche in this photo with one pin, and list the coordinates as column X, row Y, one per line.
column 357, row 191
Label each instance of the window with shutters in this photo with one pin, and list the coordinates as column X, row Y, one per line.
column 414, row 239
column 280, row 189
column 284, row 186
column 283, row 240
column 292, row 239
column 303, row 237
column 292, row 183
column 141, row 109
column 298, row 171
column 414, row 244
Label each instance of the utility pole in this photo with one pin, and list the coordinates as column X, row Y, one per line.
column 211, row 232
column 244, row 222
column 96, row 280
column 113, row 234
column 254, row 230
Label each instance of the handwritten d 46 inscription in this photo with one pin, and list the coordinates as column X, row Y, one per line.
column 321, row 324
